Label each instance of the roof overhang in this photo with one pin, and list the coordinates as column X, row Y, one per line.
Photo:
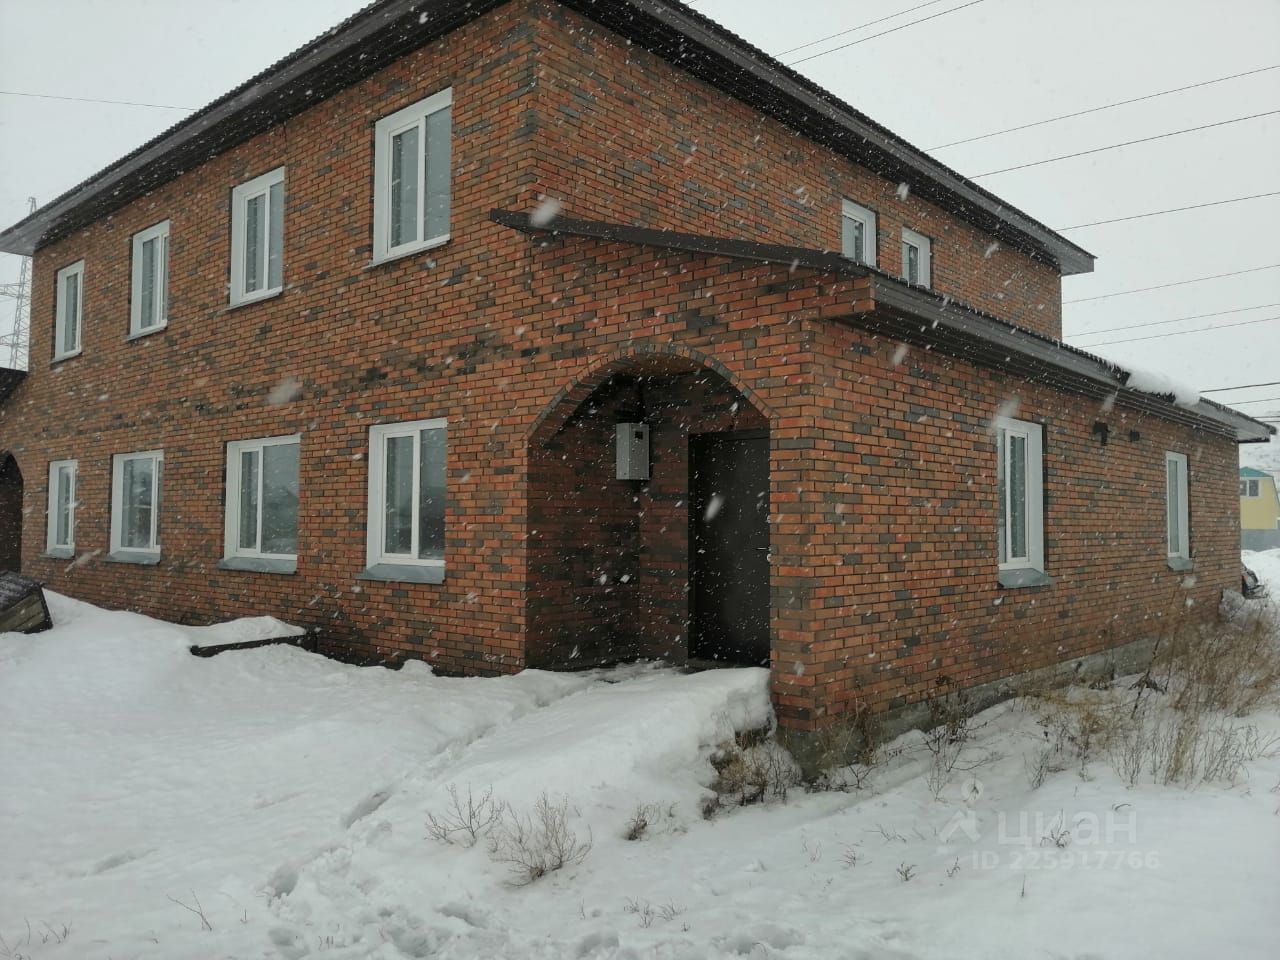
column 892, row 308
column 389, row 29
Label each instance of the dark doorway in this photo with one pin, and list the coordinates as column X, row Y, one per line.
column 10, row 513
column 729, row 545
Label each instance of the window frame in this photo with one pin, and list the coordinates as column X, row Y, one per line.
column 119, row 552
column 379, row 564
column 1181, row 558
column 1033, row 561
column 232, row 552
column 52, row 547
column 849, row 210
column 913, row 238
column 240, row 197
column 1252, row 488
column 77, row 270
column 160, row 232
column 384, row 130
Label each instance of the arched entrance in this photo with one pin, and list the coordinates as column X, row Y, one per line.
column 672, row 564
column 10, row 513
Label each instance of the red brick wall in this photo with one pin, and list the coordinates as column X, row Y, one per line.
column 882, row 487
column 627, row 137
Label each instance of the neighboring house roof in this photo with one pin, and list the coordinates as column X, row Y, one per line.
column 915, row 315
column 9, row 380
column 388, row 29
column 1251, row 472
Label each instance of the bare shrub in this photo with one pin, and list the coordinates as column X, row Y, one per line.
column 950, row 728
column 752, row 773
column 648, row 913
column 648, row 815
column 906, row 872
column 846, row 752
column 533, row 845
column 466, row 821
column 1230, row 665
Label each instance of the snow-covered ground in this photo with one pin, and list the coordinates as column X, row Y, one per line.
column 286, row 798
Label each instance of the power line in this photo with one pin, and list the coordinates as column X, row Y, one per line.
column 1179, row 333
column 119, row 103
column 1105, row 106
column 869, row 23
column 1127, row 143
column 1160, row 213
column 1263, row 400
column 1176, row 283
column 1160, row 323
column 912, row 23
column 1243, row 386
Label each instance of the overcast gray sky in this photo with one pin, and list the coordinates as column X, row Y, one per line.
column 991, row 65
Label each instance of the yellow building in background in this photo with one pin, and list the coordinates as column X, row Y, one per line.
column 1259, row 510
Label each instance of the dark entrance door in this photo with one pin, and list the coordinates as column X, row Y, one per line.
column 729, row 566
column 10, row 513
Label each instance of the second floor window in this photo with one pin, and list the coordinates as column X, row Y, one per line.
column 917, row 258
column 66, row 332
column 1249, row 488
column 149, row 301
column 61, row 540
column 858, row 233
column 411, row 187
column 257, row 237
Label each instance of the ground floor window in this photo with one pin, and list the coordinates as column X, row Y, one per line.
column 1177, row 514
column 407, row 494
column 62, row 507
column 262, row 498
column 1020, row 474
column 135, row 504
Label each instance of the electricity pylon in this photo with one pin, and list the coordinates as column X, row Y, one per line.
column 13, row 345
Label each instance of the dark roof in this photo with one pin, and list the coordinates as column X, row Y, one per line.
column 9, row 380
column 388, row 29
column 915, row 315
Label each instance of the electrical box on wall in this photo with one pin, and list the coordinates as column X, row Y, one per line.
column 633, row 451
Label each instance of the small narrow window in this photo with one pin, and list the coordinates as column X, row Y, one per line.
column 1249, row 488
column 135, row 505
column 917, row 258
column 262, row 499
column 257, row 238
column 411, row 179
column 858, row 233
column 70, row 307
column 1020, row 478
column 1177, row 510
column 61, row 539
column 407, row 495
column 149, row 299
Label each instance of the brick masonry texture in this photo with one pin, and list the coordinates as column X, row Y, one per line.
column 882, row 467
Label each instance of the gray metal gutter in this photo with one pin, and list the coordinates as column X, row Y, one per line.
column 387, row 30
column 915, row 315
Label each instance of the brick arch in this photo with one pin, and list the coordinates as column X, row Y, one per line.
column 635, row 355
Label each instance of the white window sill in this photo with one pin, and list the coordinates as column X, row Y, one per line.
column 260, row 564
column 394, row 255
column 254, row 298
column 139, row 557
column 66, row 356
column 1024, row 577
column 403, row 572
column 139, row 334
column 1181, row 564
column 59, row 553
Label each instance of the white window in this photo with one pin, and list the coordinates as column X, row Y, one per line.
column 135, row 504
column 149, row 299
column 61, row 540
column 411, row 177
column 70, row 306
column 257, row 237
column 407, row 494
column 917, row 258
column 262, row 498
column 1249, row 488
column 858, row 233
column 1020, row 474
column 1177, row 512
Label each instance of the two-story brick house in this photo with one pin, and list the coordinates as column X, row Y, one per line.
column 539, row 333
